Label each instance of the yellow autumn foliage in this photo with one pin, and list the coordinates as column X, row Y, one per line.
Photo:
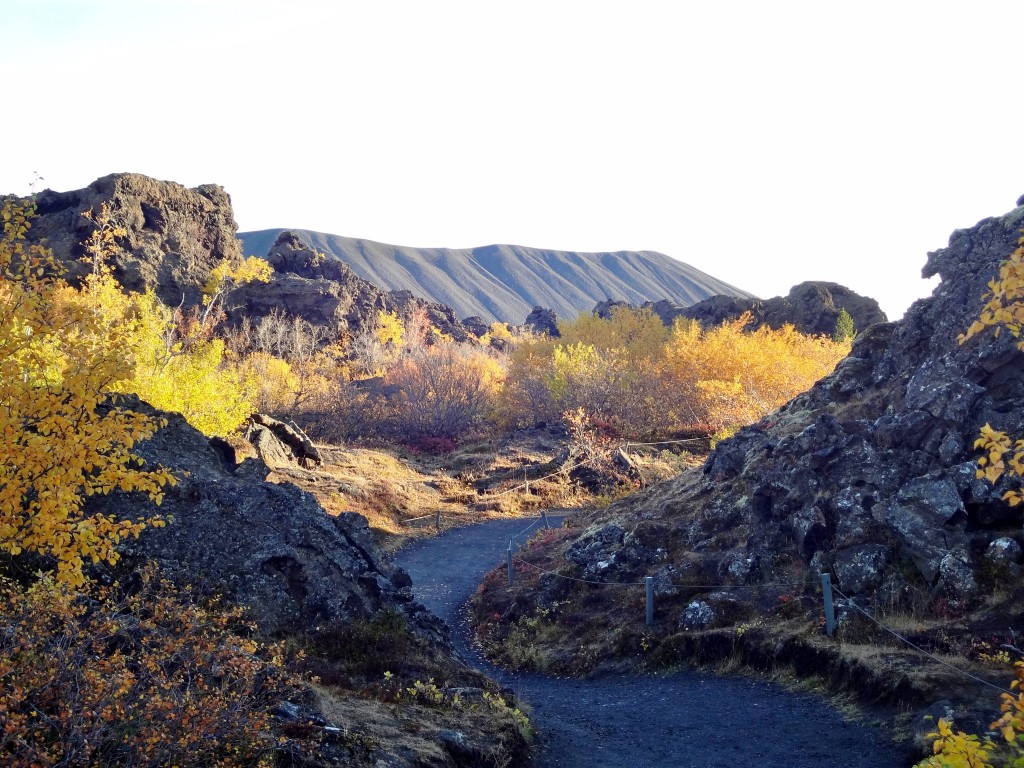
column 728, row 376
column 1004, row 308
column 63, row 436
column 638, row 378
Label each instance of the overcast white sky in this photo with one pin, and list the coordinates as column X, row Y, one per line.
column 766, row 143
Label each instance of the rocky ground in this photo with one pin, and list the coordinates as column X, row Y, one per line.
column 655, row 720
column 382, row 684
column 870, row 476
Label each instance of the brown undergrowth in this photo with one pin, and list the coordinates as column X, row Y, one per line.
column 401, row 491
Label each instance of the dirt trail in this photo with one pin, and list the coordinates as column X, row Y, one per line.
column 642, row 721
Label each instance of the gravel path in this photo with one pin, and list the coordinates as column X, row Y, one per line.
column 642, row 721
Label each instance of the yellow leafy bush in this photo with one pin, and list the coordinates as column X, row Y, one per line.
column 62, row 438
column 1004, row 308
column 641, row 379
column 956, row 749
column 726, row 376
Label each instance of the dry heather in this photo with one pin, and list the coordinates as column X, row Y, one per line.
column 401, row 492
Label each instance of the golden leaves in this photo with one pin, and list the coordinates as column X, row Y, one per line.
column 58, row 366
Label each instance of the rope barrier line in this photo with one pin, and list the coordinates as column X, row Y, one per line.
column 581, row 581
column 527, row 528
column 422, row 517
column 665, row 442
column 921, row 650
column 561, row 471
column 642, row 583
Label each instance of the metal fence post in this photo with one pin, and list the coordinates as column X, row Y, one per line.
column 510, row 562
column 437, row 522
column 830, row 613
column 649, row 583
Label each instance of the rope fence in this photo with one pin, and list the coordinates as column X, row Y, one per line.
column 827, row 595
column 918, row 648
column 828, row 592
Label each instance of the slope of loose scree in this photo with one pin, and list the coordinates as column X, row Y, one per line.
column 869, row 476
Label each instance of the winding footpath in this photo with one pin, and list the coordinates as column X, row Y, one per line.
column 682, row 720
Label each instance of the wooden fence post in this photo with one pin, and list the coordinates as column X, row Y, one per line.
column 830, row 613
column 649, row 583
column 510, row 562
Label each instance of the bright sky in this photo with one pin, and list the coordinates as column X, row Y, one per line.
column 766, row 143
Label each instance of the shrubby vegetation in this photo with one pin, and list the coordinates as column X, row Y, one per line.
column 92, row 675
column 644, row 380
column 129, row 676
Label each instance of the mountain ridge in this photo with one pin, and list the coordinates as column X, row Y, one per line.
column 505, row 282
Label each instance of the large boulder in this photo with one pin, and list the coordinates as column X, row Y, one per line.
column 812, row 307
column 174, row 235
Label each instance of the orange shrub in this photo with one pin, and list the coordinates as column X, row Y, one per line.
column 143, row 679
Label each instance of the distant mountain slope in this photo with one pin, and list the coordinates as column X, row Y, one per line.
column 505, row 282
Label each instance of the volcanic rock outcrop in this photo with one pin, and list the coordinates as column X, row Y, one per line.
column 175, row 236
column 869, row 475
column 811, row 307
column 327, row 292
column 268, row 546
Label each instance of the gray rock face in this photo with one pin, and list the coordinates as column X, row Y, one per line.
column 812, row 307
column 871, row 473
column 268, row 546
column 596, row 550
column 698, row 615
column 542, row 320
column 175, row 235
column 1004, row 551
column 861, row 568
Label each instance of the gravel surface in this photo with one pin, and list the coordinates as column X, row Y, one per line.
column 642, row 721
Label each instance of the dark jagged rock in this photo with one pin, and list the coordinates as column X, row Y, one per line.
column 870, row 474
column 604, row 309
column 476, row 325
column 542, row 320
column 325, row 291
column 279, row 444
column 811, row 307
column 175, row 235
column 268, row 546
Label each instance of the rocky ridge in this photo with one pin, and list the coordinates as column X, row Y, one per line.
column 175, row 236
column 869, row 476
column 873, row 468
column 812, row 307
